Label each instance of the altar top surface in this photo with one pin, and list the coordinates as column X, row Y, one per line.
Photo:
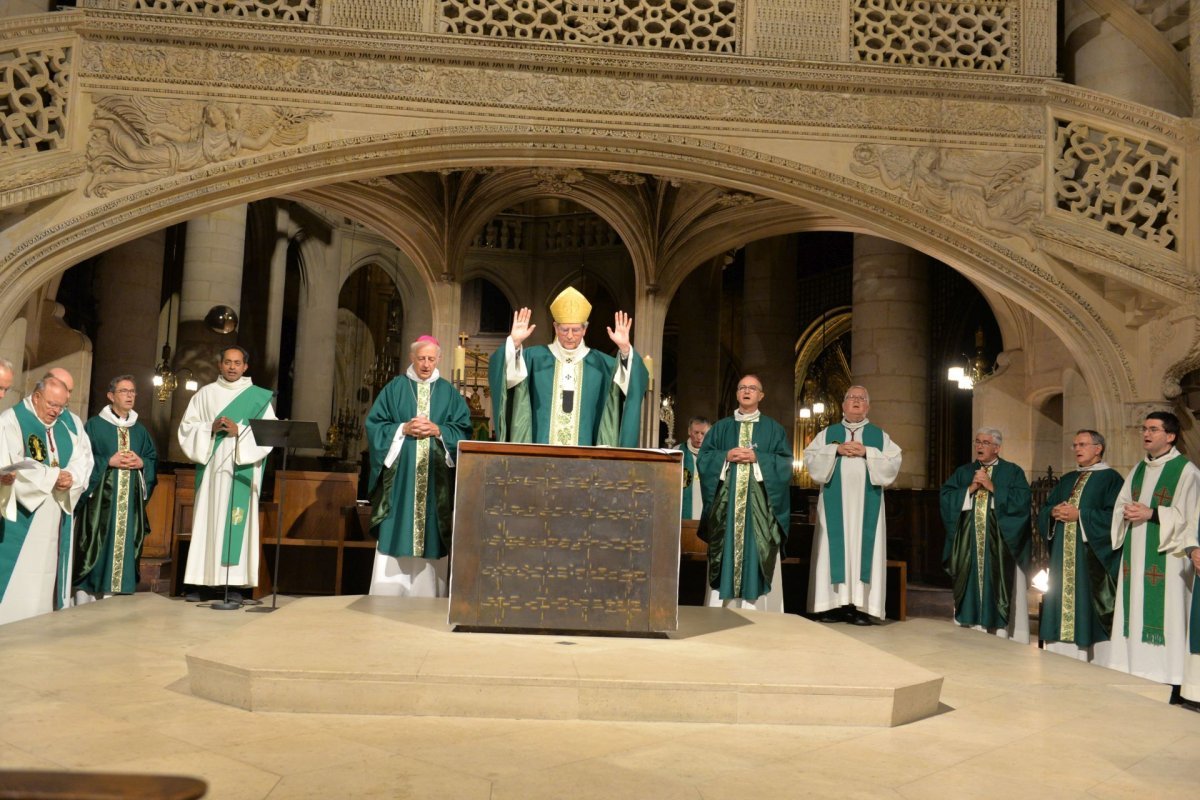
column 377, row 655
column 571, row 451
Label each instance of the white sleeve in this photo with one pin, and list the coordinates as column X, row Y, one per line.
column 515, row 370
column 883, row 465
column 820, row 458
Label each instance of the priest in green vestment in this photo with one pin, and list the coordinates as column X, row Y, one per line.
column 112, row 523
column 413, row 431
column 567, row 393
column 1076, row 521
column 693, row 495
column 1155, row 520
column 54, row 461
column 745, row 467
column 986, row 511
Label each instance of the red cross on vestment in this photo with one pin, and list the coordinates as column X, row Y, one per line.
column 1163, row 496
column 1154, row 575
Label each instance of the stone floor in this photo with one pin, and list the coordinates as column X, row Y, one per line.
column 104, row 687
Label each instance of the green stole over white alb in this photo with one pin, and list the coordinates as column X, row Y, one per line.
column 1154, row 577
column 250, row 404
column 568, row 368
column 835, row 528
column 421, row 477
column 33, row 434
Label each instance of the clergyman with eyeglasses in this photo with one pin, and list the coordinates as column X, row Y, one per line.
column 112, row 521
column 985, row 508
column 1154, row 525
column 37, row 500
column 853, row 460
column 745, row 466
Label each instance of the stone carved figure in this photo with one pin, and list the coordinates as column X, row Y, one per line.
column 993, row 192
column 137, row 140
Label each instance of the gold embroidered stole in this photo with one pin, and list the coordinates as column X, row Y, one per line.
column 421, row 476
column 564, row 426
column 982, row 496
column 122, row 522
column 1067, row 623
column 741, row 484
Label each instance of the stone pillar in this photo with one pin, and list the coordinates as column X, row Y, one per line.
column 316, row 333
column 769, row 325
column 275, row 296
column 128, row 291
column 649, row 319
column 212, row 275
column 1102, row 55
column 699, row 369
column 890, row 346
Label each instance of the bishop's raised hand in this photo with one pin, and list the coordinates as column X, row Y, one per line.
column 521, row 327
column 619, row 333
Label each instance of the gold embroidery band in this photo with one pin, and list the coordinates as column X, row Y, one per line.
column 421, row 477
column 1067, row 625
column 741, row 496
column 121, row 530
column 981, row 511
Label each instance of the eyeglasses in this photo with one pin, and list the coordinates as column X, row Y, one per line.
column 985, row 443
column 749, row 388
column 1152, row 430
column 125, row 391
column 857, row 397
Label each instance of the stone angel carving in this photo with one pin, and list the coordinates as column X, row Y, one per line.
column 137, row 140
column 993, row 192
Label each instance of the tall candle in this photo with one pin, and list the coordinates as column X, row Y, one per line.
column 460, row 362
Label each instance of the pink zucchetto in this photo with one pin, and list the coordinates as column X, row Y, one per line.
column 427, row 339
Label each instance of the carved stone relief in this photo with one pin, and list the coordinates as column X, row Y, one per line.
column 943, row 35
column 1127, row 185
column 262, row 10
column 998, row 193
column 142, row 139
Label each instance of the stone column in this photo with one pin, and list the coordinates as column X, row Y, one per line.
column 890, row 346
column 1105, row 54
column 316, row 333
column 699, row 369
column 212, row 275
column 769, row 325
column 275, row 296
column 128, row 291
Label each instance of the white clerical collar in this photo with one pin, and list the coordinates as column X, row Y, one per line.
column 693, row 450
column 855, row 426
column 108, row 415
column 991, row 463
column 1165, row 457
column 240, row 383
column 1097, row 467
column 740, row 417
column 411, row 374
column 47, row 425
column 569, row 356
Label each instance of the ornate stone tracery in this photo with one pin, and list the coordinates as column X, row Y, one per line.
column 702, row 25
column 304, row 11
column 1126, row 185
column 34, row 88
column 945, row 35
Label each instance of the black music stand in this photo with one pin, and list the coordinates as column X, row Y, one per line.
column 283, row 433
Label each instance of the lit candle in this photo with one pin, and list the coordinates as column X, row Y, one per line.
column 649, row 362
column 460, row 362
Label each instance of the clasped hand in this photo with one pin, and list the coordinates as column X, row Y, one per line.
column 981, row 480
column 225, row 424
column 421, row 428
column 1136, row 512
column 1065, row 512
column 125, row 460
column 852, row 450
column 65, row 479
column 741, row 455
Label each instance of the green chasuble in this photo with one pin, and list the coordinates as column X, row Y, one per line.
column 33, row 434
column 745, row 522
column 598, row 413
column 691, row 481
column 416, row 493
column 112, row 515
column 986, row 542
column 1078, row 607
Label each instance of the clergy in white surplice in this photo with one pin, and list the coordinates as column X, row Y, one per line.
column 567, row 393
column 854, row 461
column 112, row 524
column 693, row 495
column 1154, row 522
column 54, row 462
column 413, row 430
column 216, row 435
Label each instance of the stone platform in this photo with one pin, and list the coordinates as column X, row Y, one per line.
column 379, row 655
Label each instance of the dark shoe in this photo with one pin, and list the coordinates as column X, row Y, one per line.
column 861, row 618
column 192, row 597
column 832, row 615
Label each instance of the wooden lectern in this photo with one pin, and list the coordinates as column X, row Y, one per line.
column 566, row 538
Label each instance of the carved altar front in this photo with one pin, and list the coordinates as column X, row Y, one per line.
column 566, row 538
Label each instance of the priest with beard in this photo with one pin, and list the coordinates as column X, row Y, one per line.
column 745, row 467
column 216, row 435
column 112, row 520
column 413, row 431
column 567, row 393
column 1076, row 521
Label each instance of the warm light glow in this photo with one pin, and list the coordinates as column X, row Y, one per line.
column 965, row 382
column 157, row 380
column 191, row 385
column 818, row 407
column 805, row 413
column 1041, row 581
column 954, row 374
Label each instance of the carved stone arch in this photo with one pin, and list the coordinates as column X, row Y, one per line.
column 45, row 245
column 497, row 278
column 420, row 311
